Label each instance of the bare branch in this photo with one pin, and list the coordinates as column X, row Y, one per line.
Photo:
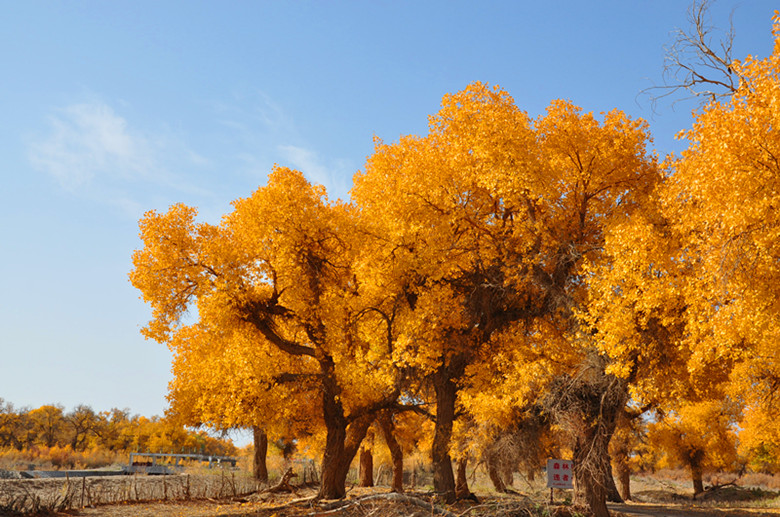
column 696, row 64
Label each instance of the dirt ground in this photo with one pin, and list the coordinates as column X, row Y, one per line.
column 490, row 506
column 668, row 510
column 651, row 497
column 361, row 502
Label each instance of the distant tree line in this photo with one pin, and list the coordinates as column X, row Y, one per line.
column 83, row 429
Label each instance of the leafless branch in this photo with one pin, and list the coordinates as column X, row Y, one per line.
column 699, row 60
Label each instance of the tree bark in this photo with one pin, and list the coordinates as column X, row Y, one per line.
column 508, row 474
column 694, row 461
column 366, row 476
column 342, row 439
column 462, row 483
column 495, row 475
column 591, row 461
column 613, row 494
column 623, row 477
column 331, row 486
column 341, row 446
column 260, row 468
column 600, row 409
column 396, row 453
column 446, row 393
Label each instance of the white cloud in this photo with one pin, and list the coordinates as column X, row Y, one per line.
column 334, row 177
column 88, row 142
column 95, row 152
column 307, row 162
column 254, row 113
column 260, row 131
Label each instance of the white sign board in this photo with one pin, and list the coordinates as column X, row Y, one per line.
column 559, row 474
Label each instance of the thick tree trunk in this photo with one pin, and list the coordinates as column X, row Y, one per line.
column 341, row 446
column 588, row 405
column 446, row 393
column 592, row 468
column 332, row 487
column 592, row 465
column 623, row 476
column 613, row 494
column 495, row 475
column 591, row 461
column 396, row 453
column 261, row 451
column 694, row 461
column 366, row 475
column 341, row 442
column 509, row 476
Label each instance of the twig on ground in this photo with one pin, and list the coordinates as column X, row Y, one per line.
column 399, row 498
column 283, row 485
column 304, row 501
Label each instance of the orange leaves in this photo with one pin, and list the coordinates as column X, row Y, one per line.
column 702, row 432
column 486, row 222
column 597, row 170
column 167, row 270
column 722, row 201
column 276, row 301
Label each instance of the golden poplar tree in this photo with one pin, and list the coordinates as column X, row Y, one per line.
column 687, row 310
column 724, row 197
column 273, row 285
column 484, row 225
column 698, row 436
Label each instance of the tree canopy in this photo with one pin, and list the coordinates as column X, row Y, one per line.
column 499, row 266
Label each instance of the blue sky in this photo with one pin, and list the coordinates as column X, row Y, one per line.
column 110, row 109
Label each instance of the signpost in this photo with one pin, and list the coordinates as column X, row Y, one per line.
column 559, row 475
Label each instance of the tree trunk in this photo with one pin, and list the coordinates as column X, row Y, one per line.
column 462, row 484
column 591, row 461
column 261, row 451
column 592, row 467
column 446, row 393
column 287, row 446
column 508, row 474
column 396, row 453
column 694, row 460
column 342, row 439
column 495, row 475
column 331, row 486
column 613, row 495
column 623, row 476
column 366, row 476
column 341, row 446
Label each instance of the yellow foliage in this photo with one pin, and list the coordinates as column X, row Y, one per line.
column 697, row 432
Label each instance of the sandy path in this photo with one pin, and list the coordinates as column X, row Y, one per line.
column 670, row 510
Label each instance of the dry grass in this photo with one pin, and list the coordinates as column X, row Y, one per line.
column 205, row 493
column 29, row 496
column 674, row 487
column 58, row 457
